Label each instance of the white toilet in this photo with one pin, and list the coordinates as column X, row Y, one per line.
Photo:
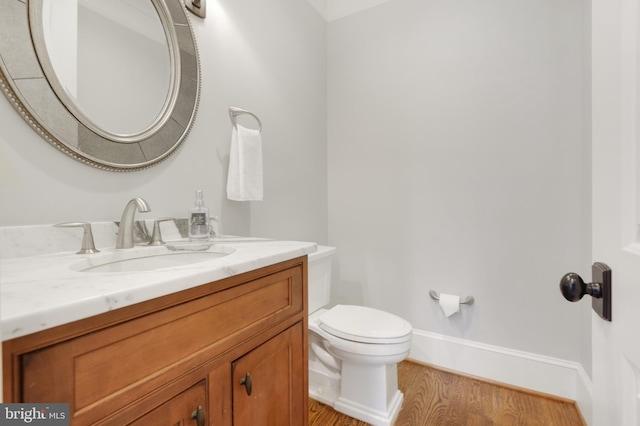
column 353, row 351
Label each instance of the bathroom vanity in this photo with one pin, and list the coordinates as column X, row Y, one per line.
column 226, row 344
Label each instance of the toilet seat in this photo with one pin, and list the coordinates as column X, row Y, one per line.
column 365, row 325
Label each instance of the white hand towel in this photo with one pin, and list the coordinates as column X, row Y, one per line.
column 244, row 181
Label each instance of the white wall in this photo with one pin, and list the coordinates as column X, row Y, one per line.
column 265, row 57
column 456, row 163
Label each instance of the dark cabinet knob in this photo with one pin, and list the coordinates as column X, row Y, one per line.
column 198, row 416
column 247, row 383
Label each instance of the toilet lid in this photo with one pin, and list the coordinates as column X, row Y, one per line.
column 363, row 324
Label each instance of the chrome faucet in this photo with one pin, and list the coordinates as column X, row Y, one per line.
column 125, row 230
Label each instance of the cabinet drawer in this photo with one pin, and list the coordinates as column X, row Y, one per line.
column 100, row 372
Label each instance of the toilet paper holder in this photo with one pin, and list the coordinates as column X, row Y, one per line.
column 463, row 300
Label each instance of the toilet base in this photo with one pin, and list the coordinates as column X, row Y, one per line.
column 368, row 414
column 324, row 385
column 365, row 392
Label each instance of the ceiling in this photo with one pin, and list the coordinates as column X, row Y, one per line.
column 336, row 9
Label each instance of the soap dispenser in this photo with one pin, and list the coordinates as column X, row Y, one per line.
column 199, row 219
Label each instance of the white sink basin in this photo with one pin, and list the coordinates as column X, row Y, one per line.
column 147, row 259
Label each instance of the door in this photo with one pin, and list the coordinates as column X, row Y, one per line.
column 616, row 215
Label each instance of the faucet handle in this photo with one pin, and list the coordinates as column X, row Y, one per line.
column 88, row 246
column 156, row 236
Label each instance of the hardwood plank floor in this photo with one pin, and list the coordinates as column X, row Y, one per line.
column 435, row 397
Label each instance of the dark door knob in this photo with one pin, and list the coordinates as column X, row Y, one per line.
column 573, row 288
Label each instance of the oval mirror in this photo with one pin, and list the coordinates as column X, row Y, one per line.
column 114, row 84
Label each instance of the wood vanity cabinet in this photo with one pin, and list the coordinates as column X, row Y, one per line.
column 230, row 352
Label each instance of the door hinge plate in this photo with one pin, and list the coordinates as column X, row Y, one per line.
column 601, row 274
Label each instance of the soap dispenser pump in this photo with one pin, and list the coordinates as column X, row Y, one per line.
column 199, row 219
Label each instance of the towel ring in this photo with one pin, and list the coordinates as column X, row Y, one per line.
column 234, row 111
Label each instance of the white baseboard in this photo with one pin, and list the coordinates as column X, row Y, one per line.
column 562, row 378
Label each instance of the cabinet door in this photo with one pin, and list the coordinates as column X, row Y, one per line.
column 268, row 382
column 185, row 409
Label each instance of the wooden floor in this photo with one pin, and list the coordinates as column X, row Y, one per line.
column 437, row 397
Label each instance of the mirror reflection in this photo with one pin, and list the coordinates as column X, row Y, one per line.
column 106, row 53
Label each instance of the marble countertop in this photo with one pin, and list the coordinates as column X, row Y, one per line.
column 44, row 291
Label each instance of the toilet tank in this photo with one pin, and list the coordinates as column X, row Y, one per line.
column 320, row 277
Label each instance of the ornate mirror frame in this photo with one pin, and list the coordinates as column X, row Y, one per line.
column 24, row 83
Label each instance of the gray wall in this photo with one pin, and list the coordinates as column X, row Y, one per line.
column 457, row 163
column 267, row 57
column 456, row 158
